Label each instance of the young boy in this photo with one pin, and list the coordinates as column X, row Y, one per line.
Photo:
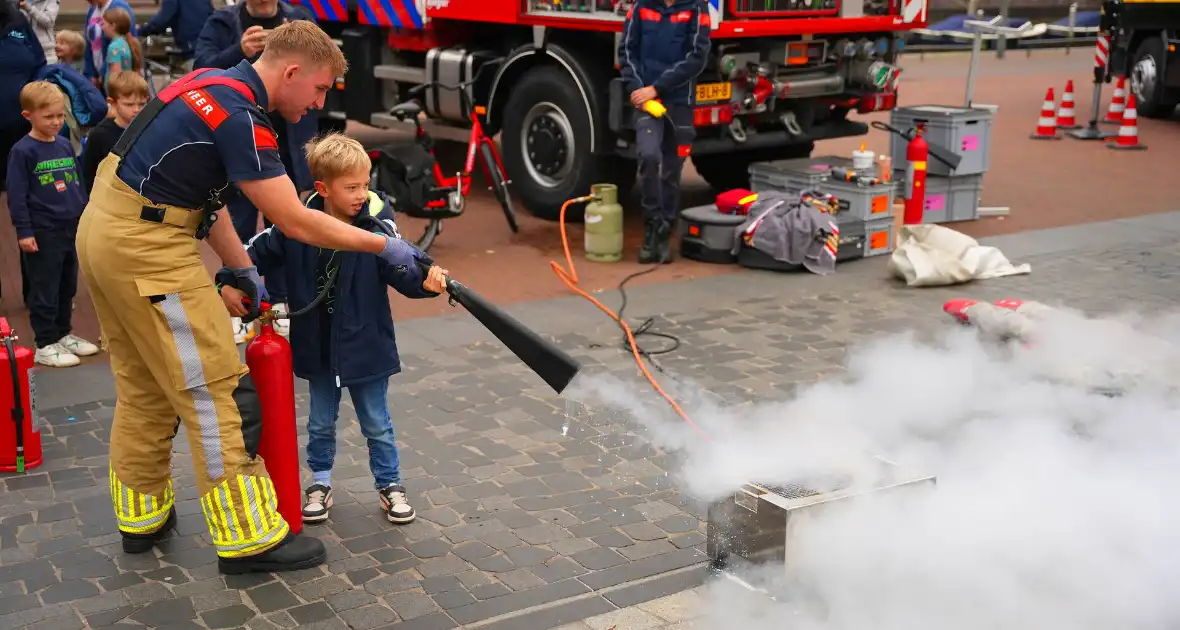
column 348, row 341
column 127, row 93
column 70, row 46
column 45, row 200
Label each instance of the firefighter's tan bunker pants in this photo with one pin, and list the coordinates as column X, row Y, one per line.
column 173, row 354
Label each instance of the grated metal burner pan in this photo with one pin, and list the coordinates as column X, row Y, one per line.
column 759, row 524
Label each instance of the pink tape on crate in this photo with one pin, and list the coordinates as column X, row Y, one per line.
column 971, row 143
column 821, row 167
column 935, row 202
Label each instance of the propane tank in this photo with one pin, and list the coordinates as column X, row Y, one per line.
column 604, row 224
column 916, row 154
column 20, row 443
column 269, row 358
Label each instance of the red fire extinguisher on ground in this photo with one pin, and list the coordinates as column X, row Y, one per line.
column 916, row 154
column 269, row 357
column 20, row 444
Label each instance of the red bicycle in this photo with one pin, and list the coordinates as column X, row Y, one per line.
column 418, row 187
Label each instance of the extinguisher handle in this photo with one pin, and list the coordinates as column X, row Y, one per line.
column 5, row 329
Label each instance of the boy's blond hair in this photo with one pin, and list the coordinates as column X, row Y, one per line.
column 305, row 40
column 127, row 85
column 75, row 41
column 334, row 155
column 38, row 95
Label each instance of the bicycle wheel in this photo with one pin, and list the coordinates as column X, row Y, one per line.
column 499, row 184
column 433, row 229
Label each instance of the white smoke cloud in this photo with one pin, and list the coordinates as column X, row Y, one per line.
column 1056, row 507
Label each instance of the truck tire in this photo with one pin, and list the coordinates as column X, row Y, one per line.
column 726, row 171
column 546, row 143
column 1152, row 99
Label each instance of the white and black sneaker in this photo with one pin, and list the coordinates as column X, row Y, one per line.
column 397, row 508
column 319, row 502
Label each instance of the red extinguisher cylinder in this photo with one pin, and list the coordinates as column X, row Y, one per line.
column 269, row 357
column 916, row 154
column 20, row 443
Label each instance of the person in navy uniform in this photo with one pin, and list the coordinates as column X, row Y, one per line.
column 664, row 47
column 172, row 351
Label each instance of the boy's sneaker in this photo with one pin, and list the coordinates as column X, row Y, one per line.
column 397, row 508
column 54, row 355
column 319, row 502
column 243, row 332
column 78, row 346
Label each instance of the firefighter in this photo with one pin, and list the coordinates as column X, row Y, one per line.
column 171, row 348
column 664, row 47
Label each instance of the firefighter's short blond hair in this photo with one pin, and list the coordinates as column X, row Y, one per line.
column 335, row 155
column 38, row 95
column 305, row 41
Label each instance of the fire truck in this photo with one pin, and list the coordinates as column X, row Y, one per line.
column 1144, row 35
column 782, row 74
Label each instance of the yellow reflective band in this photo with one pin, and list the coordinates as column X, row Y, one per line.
column 920, row 166
column 138, row 513
column 242, row 515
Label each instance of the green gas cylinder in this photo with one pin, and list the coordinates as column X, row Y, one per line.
column 604, row 224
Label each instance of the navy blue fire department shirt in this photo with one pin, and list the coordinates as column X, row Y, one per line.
column 203, row 141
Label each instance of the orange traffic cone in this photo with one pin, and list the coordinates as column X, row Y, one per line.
column 1046, row 125
column 1128, row 137
column 1118, row 103
column 1065, row 115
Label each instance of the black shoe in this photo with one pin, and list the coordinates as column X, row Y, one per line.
column 294, row 553
column 317, row 504
column 657, row 235
column 143, row 543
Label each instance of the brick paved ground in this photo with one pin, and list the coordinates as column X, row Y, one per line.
column 524, row 523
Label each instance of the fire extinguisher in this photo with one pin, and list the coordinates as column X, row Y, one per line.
column 269, row 357
column 916, row 154
column 20, row 444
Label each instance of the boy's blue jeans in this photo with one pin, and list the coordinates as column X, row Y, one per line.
column 376, row 425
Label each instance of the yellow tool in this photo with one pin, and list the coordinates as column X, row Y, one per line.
column 655, row 108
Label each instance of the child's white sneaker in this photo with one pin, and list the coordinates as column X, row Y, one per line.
column 243, row 332
column 283, row 325
column 397, row 507
column 317, row 504
column 54, row 355
column 78, row 346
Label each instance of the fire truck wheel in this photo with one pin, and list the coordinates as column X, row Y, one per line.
column 726, row 171
column 545, row 139
column 1152, row 98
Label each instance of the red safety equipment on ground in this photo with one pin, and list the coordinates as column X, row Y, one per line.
column 269, row 358
column 736, row 201
column 916, row 154
column 20, row 444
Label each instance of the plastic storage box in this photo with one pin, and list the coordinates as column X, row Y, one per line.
column 794, row 176
column 879, row 237
column 708, row 235
column 950, row 199
column 966, row 132
column 851, row 246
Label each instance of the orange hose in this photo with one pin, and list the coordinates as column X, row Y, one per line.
column 570, row 279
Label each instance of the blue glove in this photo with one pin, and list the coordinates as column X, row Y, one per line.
column 399, row 253
column 247, row 280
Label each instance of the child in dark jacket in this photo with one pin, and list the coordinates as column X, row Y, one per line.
column 348, row 341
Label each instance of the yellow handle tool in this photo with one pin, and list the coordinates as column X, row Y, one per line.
column 655, row 108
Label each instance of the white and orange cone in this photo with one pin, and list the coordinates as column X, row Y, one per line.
column 1065, row 113
column 1118, row 103
column 1047, row 123
column 1128, row 138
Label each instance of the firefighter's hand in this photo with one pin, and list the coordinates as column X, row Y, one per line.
column 642, row 95
column 436, row 280
column 28, row 245
column 253, row 40
column 234, row 299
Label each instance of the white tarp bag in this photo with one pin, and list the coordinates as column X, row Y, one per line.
column 929, row 255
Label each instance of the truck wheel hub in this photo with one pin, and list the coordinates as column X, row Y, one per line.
column 1143, row 78
column 548, row 141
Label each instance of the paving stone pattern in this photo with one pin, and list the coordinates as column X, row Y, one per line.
column 528, row 518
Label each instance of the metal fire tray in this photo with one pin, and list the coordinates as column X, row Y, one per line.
column 757, row 525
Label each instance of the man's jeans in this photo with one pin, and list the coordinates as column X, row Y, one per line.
column 376, row 426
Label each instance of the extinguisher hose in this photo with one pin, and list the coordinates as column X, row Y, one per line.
column 330, row 274
column 908, row 135
column 18, row 406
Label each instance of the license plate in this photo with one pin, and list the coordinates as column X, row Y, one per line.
column 714, row 92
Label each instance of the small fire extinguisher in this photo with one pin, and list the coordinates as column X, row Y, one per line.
column 20, row 444
column 916, row 154
column 269, row 357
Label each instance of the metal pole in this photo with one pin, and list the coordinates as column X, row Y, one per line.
column 1001, row 43
column 1101, row 58
column 1073, row 21
column 976, row 48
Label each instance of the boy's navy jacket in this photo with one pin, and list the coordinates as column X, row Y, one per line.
column 363, row 345
column 219, row 46
column 89, row 105
column 21, row 57
column 88, row 68
column 665, row 47
column 186, row 18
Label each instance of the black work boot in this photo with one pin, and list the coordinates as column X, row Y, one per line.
column 657, row 247
column 143, row 543
column 294, row 553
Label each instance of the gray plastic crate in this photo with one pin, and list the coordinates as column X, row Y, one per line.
column 966, row 132
column 950, row 199
column 879, row 237
column 794, row 176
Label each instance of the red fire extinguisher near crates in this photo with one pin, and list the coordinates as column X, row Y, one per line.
column 20, row 443
column 269, row 357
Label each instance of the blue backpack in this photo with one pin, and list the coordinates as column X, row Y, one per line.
column 89, row 105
